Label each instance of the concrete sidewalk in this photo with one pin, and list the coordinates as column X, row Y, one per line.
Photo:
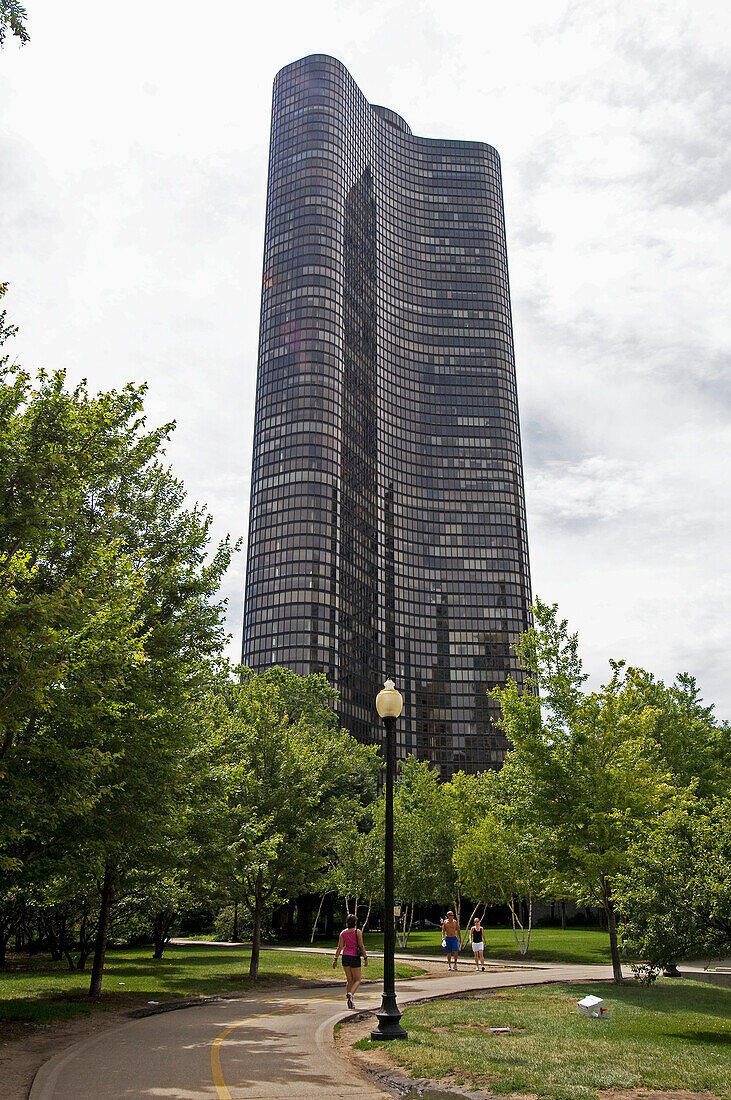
column 267, row 1046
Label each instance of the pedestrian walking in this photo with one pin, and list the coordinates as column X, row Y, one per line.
column 477, row 939
column 352, row 948
column 450, row 939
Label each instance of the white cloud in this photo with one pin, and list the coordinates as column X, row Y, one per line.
column 132, row 197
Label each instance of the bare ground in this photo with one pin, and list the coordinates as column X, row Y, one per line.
column 22, row 1056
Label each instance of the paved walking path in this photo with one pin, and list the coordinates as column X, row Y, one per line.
column 435, row 958
column 266, row 1046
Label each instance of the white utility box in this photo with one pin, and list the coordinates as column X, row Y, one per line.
column 592, row 1006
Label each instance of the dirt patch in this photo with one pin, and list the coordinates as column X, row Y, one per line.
column 482, row 1029
column 653, row 1094
column 22, row 1056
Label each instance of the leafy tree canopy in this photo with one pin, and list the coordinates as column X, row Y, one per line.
column 589, row 767
column 676, row 899
column 13, row 17
column 111, row 626
column 284, row 783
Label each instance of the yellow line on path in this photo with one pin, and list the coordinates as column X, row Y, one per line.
column 216, row 1071
column 218, row 1081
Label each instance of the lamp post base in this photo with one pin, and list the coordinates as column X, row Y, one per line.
column 388, row 1016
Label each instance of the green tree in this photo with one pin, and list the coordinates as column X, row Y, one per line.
column 500, row 855
column 109, row 621
column 591, row 765
column 358, row 868
column 13, row 18
column 424, row 836
column 695, row 747
column 284, row 782
column 676, row 898
column 499, row 863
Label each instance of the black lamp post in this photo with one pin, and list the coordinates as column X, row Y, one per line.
column 389, row 704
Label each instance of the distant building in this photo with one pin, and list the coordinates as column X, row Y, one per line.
column 387, row 530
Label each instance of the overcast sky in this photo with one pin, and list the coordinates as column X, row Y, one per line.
column 132, row 189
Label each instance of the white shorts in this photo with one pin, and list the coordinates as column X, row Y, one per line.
column 478, row 946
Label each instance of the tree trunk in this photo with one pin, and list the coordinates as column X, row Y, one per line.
column 317, row 917
column 84, row 938
column 235, row 933
column 160, row 929
column 256, row 936
column 457, row 906
column 53, row 943
column 563, row 915
column 102, row 933
column 330, row 917
column 411, row 924
column 3, row 950
column 466, row 929
column 304, row 911
column 514, row 904
column 611, row 916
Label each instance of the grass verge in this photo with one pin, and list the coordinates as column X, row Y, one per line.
column 673, row 1035
column 552, row 945
column 38, row 992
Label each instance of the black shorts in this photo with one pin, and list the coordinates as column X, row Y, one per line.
column 352, row 960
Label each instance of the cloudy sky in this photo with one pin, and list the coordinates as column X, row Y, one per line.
column 132, row 185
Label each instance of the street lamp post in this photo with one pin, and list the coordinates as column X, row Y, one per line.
column 388, row 704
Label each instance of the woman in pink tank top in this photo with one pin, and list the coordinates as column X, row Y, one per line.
column 352, row 948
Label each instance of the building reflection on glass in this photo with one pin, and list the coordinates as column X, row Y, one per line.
column 387, row 526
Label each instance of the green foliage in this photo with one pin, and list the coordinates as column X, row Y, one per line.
column 608, row 784
column 13, row 18
column 501, row 862
column 233, row 923
column 695, row 748
column 111, row 628
column 283, row 782
column 358, row 868
column 424, row 835
column 588, row 767
column 676, row 899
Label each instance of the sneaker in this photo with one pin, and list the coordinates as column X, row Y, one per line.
column 483, row 968
column 349, row 999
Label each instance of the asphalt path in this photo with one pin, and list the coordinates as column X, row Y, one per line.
column 266, row 1045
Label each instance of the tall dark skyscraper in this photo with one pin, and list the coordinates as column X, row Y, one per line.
column 387, row 530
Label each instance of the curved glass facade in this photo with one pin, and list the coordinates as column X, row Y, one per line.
column 387, row 529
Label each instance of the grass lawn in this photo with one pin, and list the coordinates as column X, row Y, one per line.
column 674, row 1035
column 38, row 991
column 572, row 945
